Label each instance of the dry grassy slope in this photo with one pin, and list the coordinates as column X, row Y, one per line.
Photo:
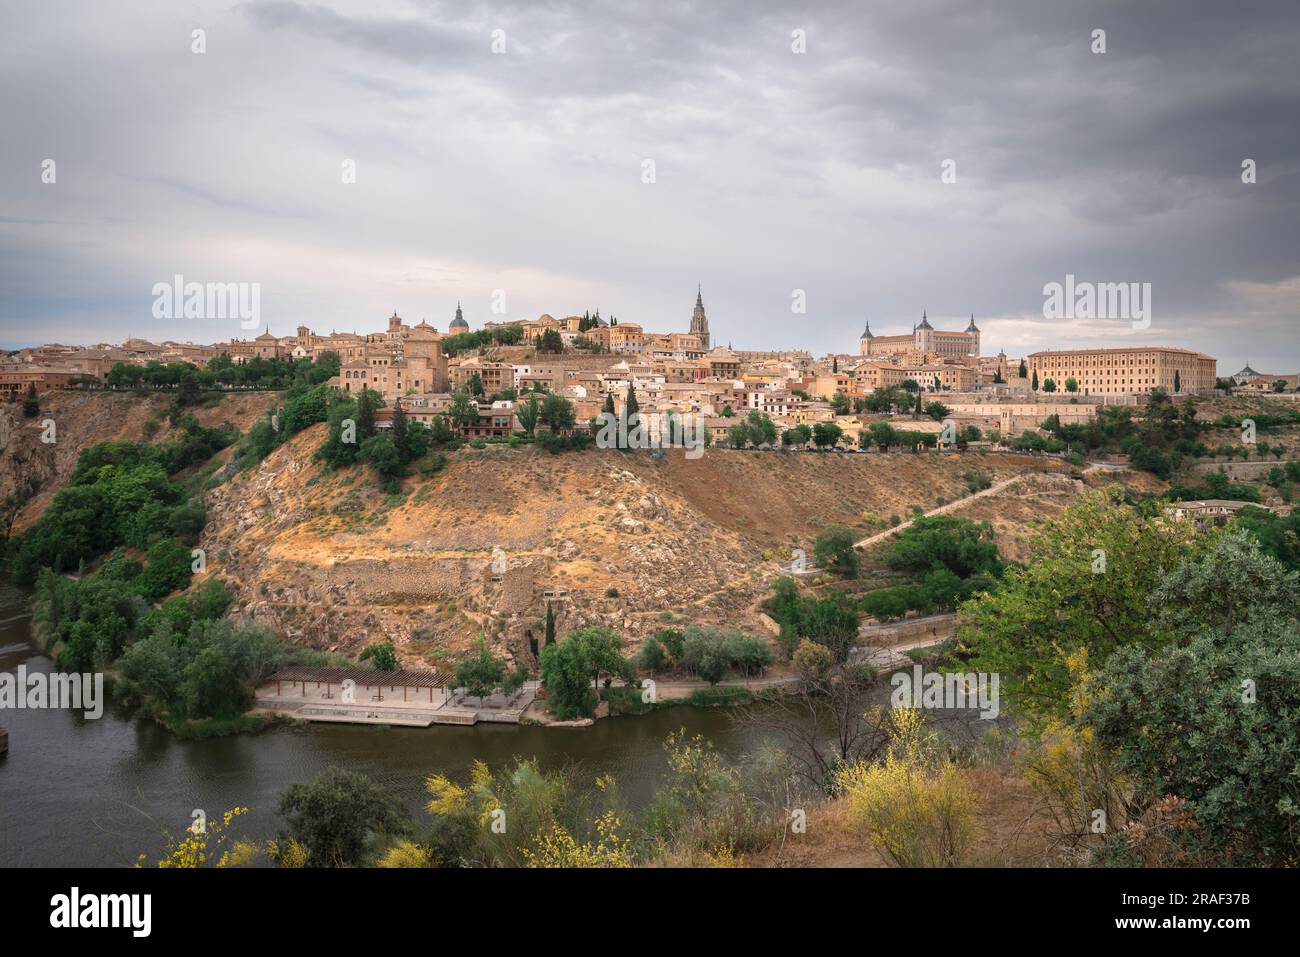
column 334, row 563
column 1012, row 829
column 329, row 559
column 85, row 419
column 1016, row 510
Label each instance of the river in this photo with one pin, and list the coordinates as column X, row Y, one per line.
column 84, row 792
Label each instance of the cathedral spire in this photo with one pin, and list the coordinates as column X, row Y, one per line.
column 699, row 322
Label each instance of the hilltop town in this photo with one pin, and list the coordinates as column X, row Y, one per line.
column 597, row 363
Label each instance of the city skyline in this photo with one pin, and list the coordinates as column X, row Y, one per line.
column 775, row 172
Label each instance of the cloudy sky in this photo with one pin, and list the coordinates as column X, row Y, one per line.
column 773, row 170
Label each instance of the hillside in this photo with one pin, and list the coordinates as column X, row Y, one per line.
column 83, row 419
column 619, row 539
column 622, row 540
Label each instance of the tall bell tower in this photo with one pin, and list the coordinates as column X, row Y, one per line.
column 699, row 323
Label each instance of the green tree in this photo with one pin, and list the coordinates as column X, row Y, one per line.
column 652, row 657
column 1083, row 589
column 1227, row 583
column 937, row 411
column 481, row 674
column 826, row 434
column 881, row 433
column 167, row 569
column 958, row 545
column 762, row 430
column 381, row 655
column 798, row 435
column 570, row 668
column 1213, row 723
column 834, row 550
column 381, row 452
column 463, row 411
column 341, row 818
column 367, row 402
column 557, row 413
column 527, row 413
column 401, row 438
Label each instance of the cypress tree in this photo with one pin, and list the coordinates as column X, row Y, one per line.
column 400, row 440
column 365, row 415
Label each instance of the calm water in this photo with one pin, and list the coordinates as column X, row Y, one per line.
column 98, row 793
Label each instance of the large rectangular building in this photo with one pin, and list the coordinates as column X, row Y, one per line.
column 1126, row 371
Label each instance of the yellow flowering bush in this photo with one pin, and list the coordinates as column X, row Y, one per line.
column 405, row 854
column 200, row 845
column 916, row 806
column 558, row 848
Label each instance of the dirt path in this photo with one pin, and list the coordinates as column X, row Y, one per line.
column 956, row 503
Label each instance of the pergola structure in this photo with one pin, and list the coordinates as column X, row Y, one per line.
column 363, row 678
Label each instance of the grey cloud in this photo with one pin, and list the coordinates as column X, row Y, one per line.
column 776, row 171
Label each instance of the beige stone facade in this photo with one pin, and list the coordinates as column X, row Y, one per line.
column 923, row 339
column 1121, row 371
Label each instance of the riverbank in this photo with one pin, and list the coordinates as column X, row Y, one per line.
column 318, row 702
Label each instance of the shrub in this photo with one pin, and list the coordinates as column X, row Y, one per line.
column 834, row 550
column 814, row 661
column 653, row 657
column 961, row 546
column 831, row 621
column 209, row 672
column 916, row 807
column 167, row 569
column 381, row 655
column 340, row 817
column 712, row 654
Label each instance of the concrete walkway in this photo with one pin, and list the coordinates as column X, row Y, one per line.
column 413, row 713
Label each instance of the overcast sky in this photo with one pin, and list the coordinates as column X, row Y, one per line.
column 774, row 171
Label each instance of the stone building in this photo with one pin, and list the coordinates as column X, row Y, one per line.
column 925, row 339
column 1124, row 371
column 700, row 323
